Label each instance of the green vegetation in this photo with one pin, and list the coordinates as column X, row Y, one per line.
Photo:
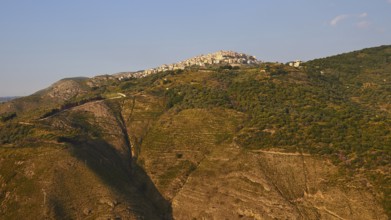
column 193, row 96
column 7, row 116
column 71, row 104
column 12, row 132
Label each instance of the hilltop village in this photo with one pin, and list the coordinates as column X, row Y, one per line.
column 220, row 57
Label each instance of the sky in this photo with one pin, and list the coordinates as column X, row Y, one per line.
column 43, row 41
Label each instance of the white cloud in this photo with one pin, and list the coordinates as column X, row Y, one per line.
column 338, row 19
column 364, row 15
column 358, row 20
column 363, row 24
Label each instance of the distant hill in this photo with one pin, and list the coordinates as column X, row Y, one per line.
column 8, row 98
column 258, row 141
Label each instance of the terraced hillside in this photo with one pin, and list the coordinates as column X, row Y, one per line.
column 264, row 141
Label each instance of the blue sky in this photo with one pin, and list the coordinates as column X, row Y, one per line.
column 42, row 41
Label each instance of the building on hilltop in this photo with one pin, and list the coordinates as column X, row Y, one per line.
column 295, row 63
column 219, row 57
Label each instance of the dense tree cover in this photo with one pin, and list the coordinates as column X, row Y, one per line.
column 193, row 96
column 7, row 116
column 364, row 74
column 13, row 132
column 318, row 119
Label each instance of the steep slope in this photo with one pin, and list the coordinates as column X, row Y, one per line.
column 76, row 165
column 264, row 141
column 272, row 185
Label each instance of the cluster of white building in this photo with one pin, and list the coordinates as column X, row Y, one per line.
column 220, row 57
column 295, row 63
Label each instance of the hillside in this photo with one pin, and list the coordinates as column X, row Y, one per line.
column 254, row 141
